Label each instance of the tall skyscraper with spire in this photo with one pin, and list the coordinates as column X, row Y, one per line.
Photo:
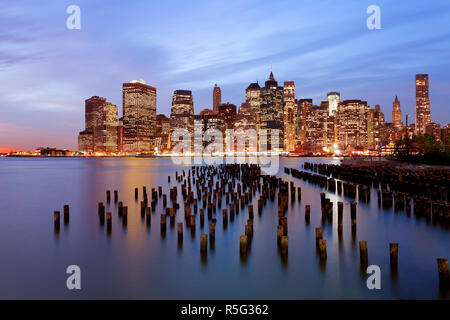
column 423, row 114
column 397, row 114
column 272, row 115
column 217, row 98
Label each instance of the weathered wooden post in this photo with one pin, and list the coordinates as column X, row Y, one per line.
column 136, row 193
column 250, row 211
column 323, row 249
column 319, row 235
column 124, row 216
column 56, row 220
column 148, row 216
column 444, row 277
column 192, row 224
column 109, row 222
column 202, row 218
column 363, row 254
column 212, row 233
column 307, row 213
column 393, row 254
column 284, row 245
column 204, row 244
column 66, row 214
column 353, row 215
column 243, row 245
column 108, row 196
column 180, row 231
column 116, row 196
column 280, row 234
column 164, row 200
column 163, row 223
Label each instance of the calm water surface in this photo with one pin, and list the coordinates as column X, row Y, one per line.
column 137, row 263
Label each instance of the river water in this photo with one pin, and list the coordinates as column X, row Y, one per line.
column 137, row 263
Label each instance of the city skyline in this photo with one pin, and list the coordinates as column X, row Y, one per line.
column 299, row 126
column 52, row 63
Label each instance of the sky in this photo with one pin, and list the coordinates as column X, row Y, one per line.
column 47, row 70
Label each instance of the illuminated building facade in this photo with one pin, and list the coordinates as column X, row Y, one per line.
column 86, row 141
column 423, row 116
column 334, row 98
column 434, row 129
column 217, row 98
column 320, row 132
column 105, row 132
column 101, row 133
column 182, row 113
column 245, row 119
column 290, row 116
column 253, row 97
column 227, row 112
column 202, row 123
column 303, row 107
column 120, row 136
column 272, row 115
column 397, row 114
column 352, row 124
column 139, row 116
column 375, row 127
column 162, row 134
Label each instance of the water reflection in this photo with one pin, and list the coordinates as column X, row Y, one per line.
column 155, row 258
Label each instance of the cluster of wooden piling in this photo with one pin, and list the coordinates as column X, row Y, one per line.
column 425, row 191
column 228, row 191
column 57, row 218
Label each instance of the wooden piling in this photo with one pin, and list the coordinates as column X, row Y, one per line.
column 124, row 216
column 243, row 248
column 180, row 231
column 307, row 213
column 444, row 277
column 66, row 214
column 363, row 253
column 393, row 254
column 323, row 249
column 319, row 235
column 284, row 245
column 204, row 244
column 109, row 221
column 56, row 219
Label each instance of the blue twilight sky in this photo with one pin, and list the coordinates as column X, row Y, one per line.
column 47, row 71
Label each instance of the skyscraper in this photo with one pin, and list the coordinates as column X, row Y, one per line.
column 182, row 113
column 352, row 124
column 397, row 114
column 139, row 116
column 217, row 98
column 253, row 97
column 334, row 98
column 423, row 115
column 272, row 115
column 101, row 133
column 290, row 115
column 92, row 109
column 303, row 106
column 105, row 133
column 319, row 128
column 161, row 138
